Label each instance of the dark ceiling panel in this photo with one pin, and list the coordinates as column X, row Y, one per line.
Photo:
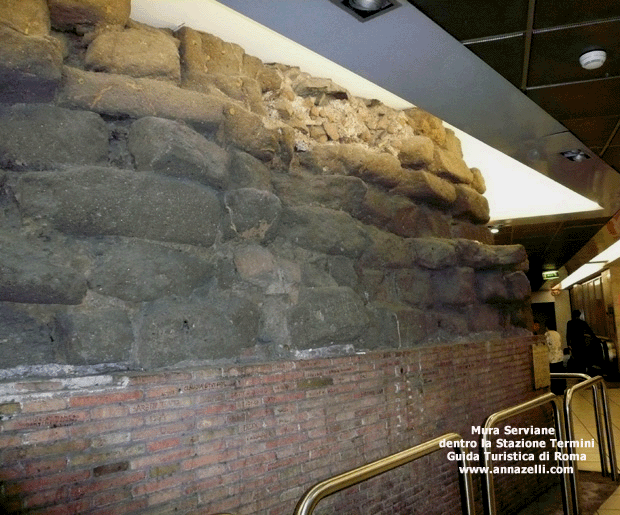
column 471, row 19
column 612, row 156
column 551, row 13
column 555, row 54
column 505, row 56
column 580, row 100
column 594, row 132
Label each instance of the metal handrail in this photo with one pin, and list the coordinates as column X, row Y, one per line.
column 488, row 487
column 608, row 460
column 311, row 498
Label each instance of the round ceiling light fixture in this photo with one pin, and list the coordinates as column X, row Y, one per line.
column 367, row 5
column 593, row 59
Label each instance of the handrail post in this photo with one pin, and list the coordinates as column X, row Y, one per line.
column 488, row 487
column 311, row 498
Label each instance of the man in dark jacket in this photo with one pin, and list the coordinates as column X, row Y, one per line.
column 579, row 336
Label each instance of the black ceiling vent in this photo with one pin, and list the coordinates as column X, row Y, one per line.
column 364, row 10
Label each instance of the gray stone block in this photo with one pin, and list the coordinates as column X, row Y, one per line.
column 480, row 256
column 198, row 329
column 93, row 338
column 135, row 52
column 326, row 316
column 245, row 171
column 253, row 214
column 40, row 137
column 454, row 286
column 30, row 273
column 30, row 67
column 414, row 286
column 139, row 271
column 171, row 148
column 120, row 95
column 324, row 230
column 23, row 340
column 432, row 253
column 93, row 201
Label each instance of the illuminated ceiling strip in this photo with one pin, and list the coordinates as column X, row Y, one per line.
column 592, row 267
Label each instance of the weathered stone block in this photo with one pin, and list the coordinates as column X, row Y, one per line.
column 202, row 52
column 135, row 52
column 394, row 325
column 36, row 136
column 119, row 95
column 342, row 269
column 470, row 205
column 426, row 124
column 30, row 67
column 468, row 230
column 324, row 230
column 73, row 15
column 105, row 201
column 93, row 338
column 307, row 86
column 171, row 148
column 269, row 78
column 492, row 287
column 23, row 340
column 386, row 251
column 30, row 17
column 247, row 132
column 331, row 191
column 424, row 186
column 139, row 271
column 32, row 274
column 446, row 324
column 237, row 87
column 484, row 317
column 519, row 287
column 478, row 182
column 432, row 253
column 414, row 286
column 252, row 214
column 480, row 256
column 454, row 286
column 451, row 166
column 219, row 326
column 416, row 152
column 324, row 316
column 246, row 171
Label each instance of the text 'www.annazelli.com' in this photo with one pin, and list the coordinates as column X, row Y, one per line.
column 532, row 469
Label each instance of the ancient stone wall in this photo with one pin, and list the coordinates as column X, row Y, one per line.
column 167, row 198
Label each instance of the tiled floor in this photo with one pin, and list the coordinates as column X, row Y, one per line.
column 585, row 427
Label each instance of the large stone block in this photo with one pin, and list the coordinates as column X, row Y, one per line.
column 93, row 338
column 416, row 152
column 470, row 205
column 245, row 90
column 331, row 191
column 172, row 148
column 120, row 95
column 492, row 287
column 324, row 230
column 23, row 340
column 30, row 67
column 426, row 124
column 202, row 52
column 480, row 256
column 519, row 287
column 451, row 166
column 433, row 253
column 394, row 326
column 245, row 171
column 426, row 187
column 40, row 137
column 386, row 251
column 252, row 214
column 30, row 17
column 135, row 52
column 414, row 286
column 77, row 15
column 246, row 131
column 173, row 330
column 326, row 316
column 94, row 201
column 140, row 271
column 33, row 274
column 455, row 286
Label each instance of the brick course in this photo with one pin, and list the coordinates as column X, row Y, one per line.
column 251, row 439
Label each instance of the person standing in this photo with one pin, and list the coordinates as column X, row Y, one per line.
column 556, row 354
column 578, row 337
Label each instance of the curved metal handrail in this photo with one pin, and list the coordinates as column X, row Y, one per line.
column 311, row 498
column 604, row 430
column 488, row 486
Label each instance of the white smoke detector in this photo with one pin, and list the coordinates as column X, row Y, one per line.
column 593, row 59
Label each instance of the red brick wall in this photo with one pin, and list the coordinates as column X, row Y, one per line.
column 251, row 439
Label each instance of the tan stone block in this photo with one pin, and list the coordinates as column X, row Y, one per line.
column 449, row 165
column 478, row 182
column 75, row 14
column 416, row 152
column 427, row 187
column 30, row 17
column 426, row 124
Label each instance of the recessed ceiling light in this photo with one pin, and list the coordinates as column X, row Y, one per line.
column 576, row 155
column 365, row 10
column 593, row 59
